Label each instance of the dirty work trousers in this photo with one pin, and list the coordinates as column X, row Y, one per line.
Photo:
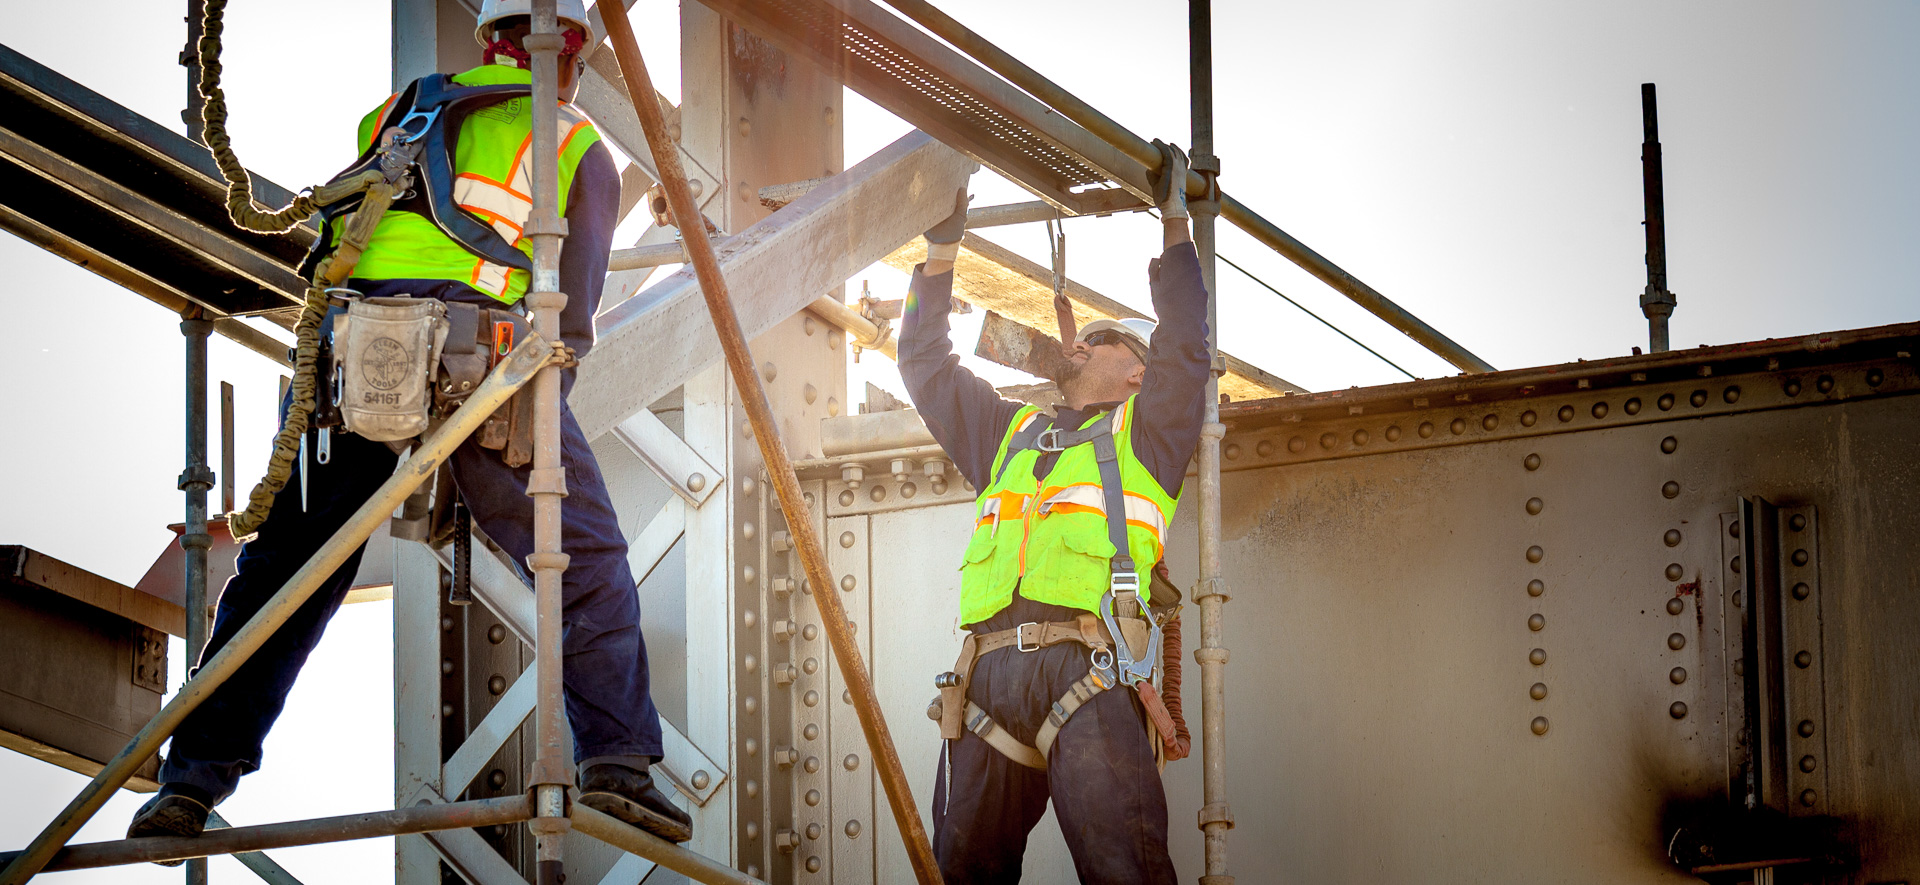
column 608, row 700
column 1101, row 778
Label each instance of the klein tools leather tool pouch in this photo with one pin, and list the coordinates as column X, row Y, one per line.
column 384, row 350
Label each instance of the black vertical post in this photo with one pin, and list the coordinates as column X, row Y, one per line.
column 1655, row 302
column 190, row 59
column 196, row 480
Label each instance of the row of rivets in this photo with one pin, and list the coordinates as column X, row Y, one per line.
column 1536, row 622
column 1677, row 606
column 1803, row 659
column 1491, row 421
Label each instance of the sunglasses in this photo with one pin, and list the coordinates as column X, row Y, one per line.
column 1109, row 336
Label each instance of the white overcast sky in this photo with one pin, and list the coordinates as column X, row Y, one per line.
column 1475, row 161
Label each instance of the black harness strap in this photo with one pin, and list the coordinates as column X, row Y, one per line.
column 435, row 164
column 1040, row 435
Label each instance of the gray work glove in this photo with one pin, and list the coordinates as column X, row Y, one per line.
column 954, row 226
column 943, row 239
column 1170, row 181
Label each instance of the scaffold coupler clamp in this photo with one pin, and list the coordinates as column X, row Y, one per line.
column 1207, row 166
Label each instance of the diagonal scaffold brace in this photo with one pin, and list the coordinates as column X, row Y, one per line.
column 514, row 372
column 766, row 433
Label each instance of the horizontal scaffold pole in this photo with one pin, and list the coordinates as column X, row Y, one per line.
column 1104, row 128
column 515, row 371
column 345, row 828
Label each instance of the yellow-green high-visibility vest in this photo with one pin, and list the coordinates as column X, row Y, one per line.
column 493, row 167
column 1050, row 535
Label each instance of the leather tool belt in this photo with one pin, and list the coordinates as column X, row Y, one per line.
column 398, row 365
column 957, row 714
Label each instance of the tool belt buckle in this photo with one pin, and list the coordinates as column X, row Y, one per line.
column 1020, row 637
column 1049, row 440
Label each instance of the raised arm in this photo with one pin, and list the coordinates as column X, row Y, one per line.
column 1172, row 395
column 967, row 417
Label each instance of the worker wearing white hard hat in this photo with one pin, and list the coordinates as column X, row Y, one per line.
column 1059, row 572
column 458, row 240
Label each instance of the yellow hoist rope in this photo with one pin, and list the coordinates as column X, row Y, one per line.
column 331, row 272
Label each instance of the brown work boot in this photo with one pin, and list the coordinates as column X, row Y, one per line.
column 177, row 810
column 630, row 796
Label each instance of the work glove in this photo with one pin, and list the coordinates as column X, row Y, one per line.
column 1170, row 181
column 943, row 239
column 954, row 226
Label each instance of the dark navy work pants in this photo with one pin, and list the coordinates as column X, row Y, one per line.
column 608, row 700
column 1100, row 776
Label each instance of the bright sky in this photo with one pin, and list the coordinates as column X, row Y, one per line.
column 1475, row 161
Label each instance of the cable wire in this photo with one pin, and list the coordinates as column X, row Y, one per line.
column 1303, row 309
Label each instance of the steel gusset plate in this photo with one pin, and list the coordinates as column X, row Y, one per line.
column 948, row 96
column 120, row 195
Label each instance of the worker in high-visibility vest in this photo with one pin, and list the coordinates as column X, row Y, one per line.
column 1026, row 717
column 616, row 729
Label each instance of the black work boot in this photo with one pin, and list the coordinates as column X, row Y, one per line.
column 177, row 810
column 630, row 796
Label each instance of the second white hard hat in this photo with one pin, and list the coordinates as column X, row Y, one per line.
column 570, row 11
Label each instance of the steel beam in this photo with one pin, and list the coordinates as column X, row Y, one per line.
column 677, row 464
column 654, row 341
column 1042, row 147
column 132, row 200
column 499, row 587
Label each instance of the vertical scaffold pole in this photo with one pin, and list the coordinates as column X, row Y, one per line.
column 196, row 479
column 1216, row 818
column 547, row 484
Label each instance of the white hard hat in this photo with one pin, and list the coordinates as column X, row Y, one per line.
column 570, row 12
column 1138, row 329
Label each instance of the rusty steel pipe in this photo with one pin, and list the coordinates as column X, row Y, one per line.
column 641, row 843
column 1104, row 128
column 345, row 828
column 512, row 373
column 766, row 433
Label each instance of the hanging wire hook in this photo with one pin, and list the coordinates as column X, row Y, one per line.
column 1062, row 306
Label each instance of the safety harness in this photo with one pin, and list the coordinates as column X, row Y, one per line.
column 1130, row 661
column 409, row 166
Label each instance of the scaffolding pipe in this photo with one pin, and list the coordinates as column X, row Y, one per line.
column 1656, row 303
column 1104, row 128
column 1210, row 594
column 547, row 482
column 632, row 840
column 779, row 466
column 435, row 448
column 195, row 480
column 237, row 840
